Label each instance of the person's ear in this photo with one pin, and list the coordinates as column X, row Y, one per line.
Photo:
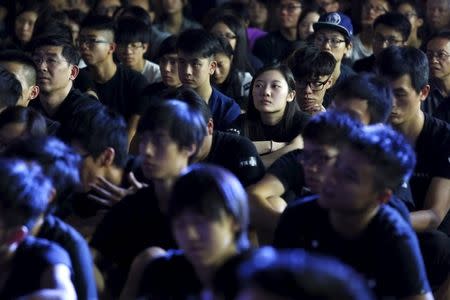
column 107, row 157
column 210, row 126
column 74, row 70
column 112, row 47
column 424, row 92
column 145, row 47
column 34, row 92
column 212, row 66
column 190, row 150
column 348, row 48
column 290, row 96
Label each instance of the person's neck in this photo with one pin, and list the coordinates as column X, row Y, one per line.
column 103, row 72
column 271, row 119
column 205, row 92
column 204, row 149
column 336, row 73
column 163, row 189
column 366, row 36
column 352, row 225
column 414, row 40
column 52, row 101
column 174, row 21
column 114, row 175
column 139, row 66
column 289, row 33
column 443, row 84
column 411, row 129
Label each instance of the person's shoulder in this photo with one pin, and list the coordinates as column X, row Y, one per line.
column 435, row 131
column 305, row 205
column 43, row 251
column 59, row 228
column 218, row 95
column 390, row 225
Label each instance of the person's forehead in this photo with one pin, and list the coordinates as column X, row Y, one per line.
column 386, row 30
column 48, row 50
column 329, row 32
column 90, row 32
column 189, row 56
column 439, row 42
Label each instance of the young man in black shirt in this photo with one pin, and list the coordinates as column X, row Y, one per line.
column 348, row 219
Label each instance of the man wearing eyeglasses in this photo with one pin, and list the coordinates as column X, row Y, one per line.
column 333, row 33
column 438, row 52
column 390, row 29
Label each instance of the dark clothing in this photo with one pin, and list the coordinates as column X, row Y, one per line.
column 277, row 133
column 272, row 48
column 238, row 155
column 74, row 101
column 32, row 258
column 121, row 93
column 386, row 252
column 432, row 152
column 366, row 64
column 224, row 110
column 55, row 230
column 346, row 72
column 154, row 91
column 436, row 104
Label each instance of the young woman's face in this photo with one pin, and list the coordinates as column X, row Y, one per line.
column 258, row 13
column 223, row 68
column 271, row 93
column 24, row 25
column 305, row 26
column 205, row 242
column 222, row 30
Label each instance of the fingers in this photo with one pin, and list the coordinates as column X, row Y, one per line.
column 110, row 187
column 104, row 201
column 134, row 182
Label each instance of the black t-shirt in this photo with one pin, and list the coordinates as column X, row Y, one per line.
column 346, row 72
column 74, row 101
column 154, row 91
column 272, row 47
column 386, row 252
column 122, row 93
column 276, row 132
column 433, row 158
column 55, row 230
column 290, row 173
column 366, row 64
column 436, row 104
column 238, row 155
column 130, row 226
column 31, row 259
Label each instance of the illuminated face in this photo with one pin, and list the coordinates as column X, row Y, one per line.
column 333, row 42
column 438, row 14
column 438, row 52
column 372, row 9
column 168, row 65
column 222, row 30
column 195, row 72
column 132, row 54
column 310, row 91
column 222, row 69
column 385, row 36
column 305, row 26
column 258, row 13
column 29, row 92
column 289, row 12
column 410, row 13
column 24, row 26
column 95, row 46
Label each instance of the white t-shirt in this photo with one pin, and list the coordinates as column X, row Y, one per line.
column 151, row 72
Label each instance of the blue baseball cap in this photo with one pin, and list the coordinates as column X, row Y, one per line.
column 335, row 21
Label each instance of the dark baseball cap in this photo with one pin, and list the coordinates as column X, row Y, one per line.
column 335, row 21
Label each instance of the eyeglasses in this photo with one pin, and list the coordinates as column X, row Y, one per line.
column 390, row 41
column 49, row 61
column 290, row 7
column 314, row 85
column 333, row 42
column 308, row 158
column 439, row 55
column 133, row 46
column 90, row 42
column 376, row 9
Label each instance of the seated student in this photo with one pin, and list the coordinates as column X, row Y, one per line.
column 173, row 19
column 312, row 79
column 350, row 221
column 415, row 12
column 21, row 65
column 437, row 103
column 243, row 161
column 273, row 121
column 56, row 60
column 10, row 89
column 333, row 33
column 389, row 29
column 196, row 64
column 17, row 122
column 170, row 133
column 31, row 268
column 117, row 87
column 133, row 38
column 60, row 164
column 208, row 212
column 297, row 274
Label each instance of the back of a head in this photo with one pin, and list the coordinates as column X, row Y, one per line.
column 319, row 63
column 10, row 89
column 168, row 46
column 197, row 42
column 25, row 193
column 69, row 52
column 389, row 151
column 101, row 23
column 130, row 30
column 395, row 62
column 58, row 161
column 395, row 21
column 23, row 59
column 97, row 128
column 296, row 274
column 138, row 13
column 371, row 88
column 184, row 124
column 211, row 191
column 330, row 128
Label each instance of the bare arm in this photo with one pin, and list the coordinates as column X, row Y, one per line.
column 436, row 206
column 279, row 150
column 132, row 126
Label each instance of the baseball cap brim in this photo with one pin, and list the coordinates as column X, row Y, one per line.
column 321, row 25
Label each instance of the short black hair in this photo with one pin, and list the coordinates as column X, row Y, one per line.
column 131, row 30
column 96, row 127
column 10, row 89
column 310, row 61
column 168, row 46
column 24, row 59
column 136, row 12
column 69, row 52
column 35, row 124
column 198, row 42
column 184, row 123
column 396, row 21
column 96, row 22
column 25, row 193
column 394, row 62
column 330, row 128
column 388, row 151
column 444, row 34
column 371, row 88
column 190, row 97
